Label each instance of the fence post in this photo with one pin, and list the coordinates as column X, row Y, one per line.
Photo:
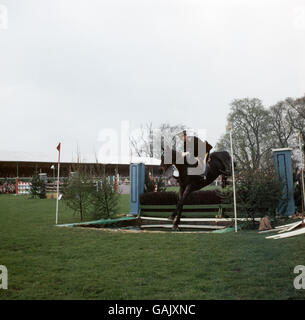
column 283, row 168
column 137, row 178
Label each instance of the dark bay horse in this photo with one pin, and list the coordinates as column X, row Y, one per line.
column 218, row 163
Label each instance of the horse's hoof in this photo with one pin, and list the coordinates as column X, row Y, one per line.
column 176, row 227
column 176, row 224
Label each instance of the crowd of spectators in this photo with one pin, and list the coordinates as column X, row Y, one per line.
column 7, row 187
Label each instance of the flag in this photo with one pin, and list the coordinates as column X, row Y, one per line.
column 58, row 148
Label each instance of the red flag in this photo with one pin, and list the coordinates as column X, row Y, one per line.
column 58, row 148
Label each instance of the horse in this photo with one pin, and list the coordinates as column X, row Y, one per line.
column 217, row 163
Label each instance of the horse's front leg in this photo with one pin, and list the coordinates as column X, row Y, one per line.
column 179, row 208
column 223, row 181
column 174, row 214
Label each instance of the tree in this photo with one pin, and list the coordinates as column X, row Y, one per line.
column 89, row 193
column 288, row 119
column 143, row 143
column 250, row 123
column 104, row 197
column 281, row 127
column 77, row 191
column 257, row 192
column 38, row 187
column 104, row 200
column 256, row 131
column 296, row 114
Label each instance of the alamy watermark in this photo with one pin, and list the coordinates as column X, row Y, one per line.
column 3, row 277
column 3, row 17
column 116, row 146
column 299, row 280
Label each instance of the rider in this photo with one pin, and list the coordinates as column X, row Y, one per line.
column 201, row 150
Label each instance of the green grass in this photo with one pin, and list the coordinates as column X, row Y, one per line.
column 48, row 262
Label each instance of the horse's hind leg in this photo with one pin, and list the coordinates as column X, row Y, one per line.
column 185, row 194
column 174, row 214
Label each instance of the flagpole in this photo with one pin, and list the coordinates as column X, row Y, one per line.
column 233, row 178
column 58, row 148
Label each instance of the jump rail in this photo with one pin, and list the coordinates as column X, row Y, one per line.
column 194, row 217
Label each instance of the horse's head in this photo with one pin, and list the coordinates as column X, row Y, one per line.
column 221, row 163
column 226, row 162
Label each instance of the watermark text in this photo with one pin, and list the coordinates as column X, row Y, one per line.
column 3, row 277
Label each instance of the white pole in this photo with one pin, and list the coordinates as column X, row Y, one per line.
column 233, row 178
column 57, row 198
column 57, row 193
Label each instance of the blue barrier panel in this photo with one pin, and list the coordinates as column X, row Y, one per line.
column 137, row 178
column 283, row 167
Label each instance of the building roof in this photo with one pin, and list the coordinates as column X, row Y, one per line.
column 21, row 156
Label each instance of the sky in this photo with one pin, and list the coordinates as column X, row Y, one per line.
column 72, row 70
